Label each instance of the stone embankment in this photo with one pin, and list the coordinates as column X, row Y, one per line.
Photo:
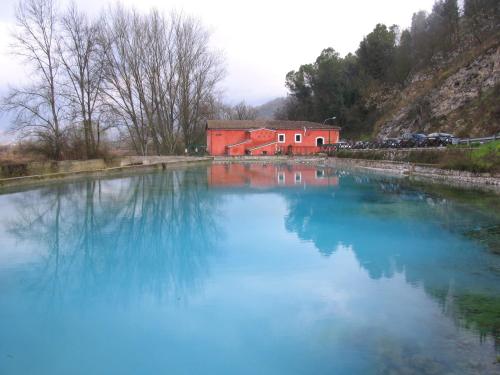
column 430, row 173
column 35, row 172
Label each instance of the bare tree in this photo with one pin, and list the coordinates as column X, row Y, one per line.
column 199, row 72
column 38, row 106
column 217, row 109
column 152, row 75
column 242, row 111
column 160, row 74
column 120, row 87
column 81, row 57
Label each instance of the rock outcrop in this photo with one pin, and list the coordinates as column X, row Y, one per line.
column 461, row 97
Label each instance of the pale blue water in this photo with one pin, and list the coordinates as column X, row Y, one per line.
column 246, row 270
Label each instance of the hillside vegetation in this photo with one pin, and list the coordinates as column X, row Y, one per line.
column 441, row 74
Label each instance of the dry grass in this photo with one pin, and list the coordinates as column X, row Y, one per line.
column 17, row 154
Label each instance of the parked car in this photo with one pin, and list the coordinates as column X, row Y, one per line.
column 411, row 140
column 342, row 145
column 330, row 148
column 439, row 139
column 391, row 143
column 360, row 145
column 375, row 143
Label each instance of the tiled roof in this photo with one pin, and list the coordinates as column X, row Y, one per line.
column 269, row 124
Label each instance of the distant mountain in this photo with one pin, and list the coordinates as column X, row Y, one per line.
column 266, row 111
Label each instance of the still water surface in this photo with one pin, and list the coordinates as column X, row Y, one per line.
column 248, row 269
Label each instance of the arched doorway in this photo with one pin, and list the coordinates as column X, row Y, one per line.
column 320, row 141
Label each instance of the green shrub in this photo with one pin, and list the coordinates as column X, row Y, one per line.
column 484, row 159
column 487, row 157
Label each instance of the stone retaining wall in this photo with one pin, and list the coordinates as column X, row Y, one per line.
column 426, row 172
column 414, row 155
column 38, row 172
column 47, row 167
column 76, row 166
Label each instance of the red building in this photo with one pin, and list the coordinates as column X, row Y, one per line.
column 268, row 137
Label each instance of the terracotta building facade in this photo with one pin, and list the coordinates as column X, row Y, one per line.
column 268, row 137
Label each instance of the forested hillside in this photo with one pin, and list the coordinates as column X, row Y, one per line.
column 440, row 74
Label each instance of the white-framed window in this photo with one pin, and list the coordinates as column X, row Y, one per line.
column 320, row 141
column 298, row 138
column 281, row 138
column 281, row 177
column 298, row 177
column 320, row 173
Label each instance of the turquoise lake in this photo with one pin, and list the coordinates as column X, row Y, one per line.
column 249, row 269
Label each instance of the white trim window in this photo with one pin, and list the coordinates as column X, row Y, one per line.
column 298, row 138
column 320, row 173
column 281, row 177
column 281, row 138
column 322, row 141
column 298, row 177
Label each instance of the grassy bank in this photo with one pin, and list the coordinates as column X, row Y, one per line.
column 482, row 159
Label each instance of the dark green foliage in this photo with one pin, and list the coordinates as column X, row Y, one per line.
column 473, row 310
column 403, row 58
column 443, row 25
column 376, row 52
column 481, row 17
column 480, row 312
column 327, row 88
column 489, row 237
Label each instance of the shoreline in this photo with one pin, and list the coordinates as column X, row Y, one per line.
column 132, row 164
column 411, row 171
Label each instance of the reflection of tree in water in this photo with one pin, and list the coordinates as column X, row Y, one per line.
column 396, row 228
column 150, row 234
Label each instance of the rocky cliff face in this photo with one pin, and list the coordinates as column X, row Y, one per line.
column 462, row 97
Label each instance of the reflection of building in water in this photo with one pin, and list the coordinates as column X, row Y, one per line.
column 270, row 175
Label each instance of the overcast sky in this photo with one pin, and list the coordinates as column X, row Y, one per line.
column 261, row 40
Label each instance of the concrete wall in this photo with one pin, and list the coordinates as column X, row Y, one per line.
column 78, row 166
column 48, row 167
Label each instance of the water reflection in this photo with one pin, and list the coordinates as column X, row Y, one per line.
column 313, row 261
column 394, row 229
column 151, row 233
column 262, row 176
